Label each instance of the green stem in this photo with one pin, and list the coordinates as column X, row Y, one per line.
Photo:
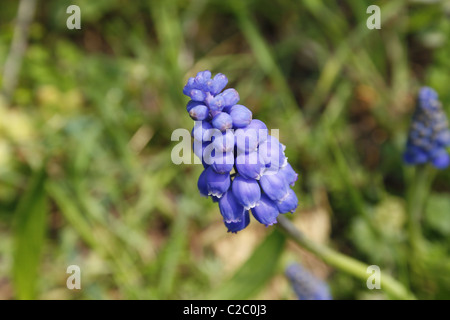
column 342, row 262
column 418, row 189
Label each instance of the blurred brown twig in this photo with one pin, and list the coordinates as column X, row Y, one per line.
column 13, row 62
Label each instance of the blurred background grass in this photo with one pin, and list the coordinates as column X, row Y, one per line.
column 85, row 170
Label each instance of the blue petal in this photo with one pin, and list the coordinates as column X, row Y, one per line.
column 246, row 140
column 199, row 149
column 230, row 97
column 199, row 112
column 188, row 87
column 202, row 131
column 260, row 129
column 224, row 143
column 414, row 155
column 201, row 184
column 272, row 155
column 289, row 203
column 203, row 76
column 241, row 116
column 216, row 103
column 222, row 121
column 231, row 210
column 201, row 80
column 192, row 104
column 275, row 186
column 197, row 95
column 441, row 160
column 218, row 84
column 234, row 227
column 443, row 138
column 222, row 162
column 249, row 165
column 217, row 183
column 289, row 174
column 426, row 97
column 246, row 191
column 265, row 211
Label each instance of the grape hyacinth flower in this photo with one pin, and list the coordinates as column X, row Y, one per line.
column 245, row 169
column 306, row 286
column 429, row 135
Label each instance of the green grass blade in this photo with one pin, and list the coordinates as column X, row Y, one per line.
column 29, row 231
column 172, row 255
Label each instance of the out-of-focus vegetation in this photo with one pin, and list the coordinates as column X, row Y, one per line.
column 85, row 171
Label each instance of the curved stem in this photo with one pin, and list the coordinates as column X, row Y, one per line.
column 345, row 263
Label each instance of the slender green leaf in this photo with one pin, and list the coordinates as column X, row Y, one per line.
column 29, row 231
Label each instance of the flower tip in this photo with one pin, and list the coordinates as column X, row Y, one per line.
column 232, row 220
column 217, row 195
column 427, row 92
column 271, row 224
column 442, row 161
column 250, row 206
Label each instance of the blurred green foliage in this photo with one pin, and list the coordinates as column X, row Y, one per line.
column 85, row 170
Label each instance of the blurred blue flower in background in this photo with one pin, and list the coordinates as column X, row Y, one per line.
column 244, row 167
column 429, row 135
column 306, row 286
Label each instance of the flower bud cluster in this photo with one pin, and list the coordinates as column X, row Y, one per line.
column 245, row 168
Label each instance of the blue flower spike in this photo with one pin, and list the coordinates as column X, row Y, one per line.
column 306, row 286
column 429, row 134
column 246, row 169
